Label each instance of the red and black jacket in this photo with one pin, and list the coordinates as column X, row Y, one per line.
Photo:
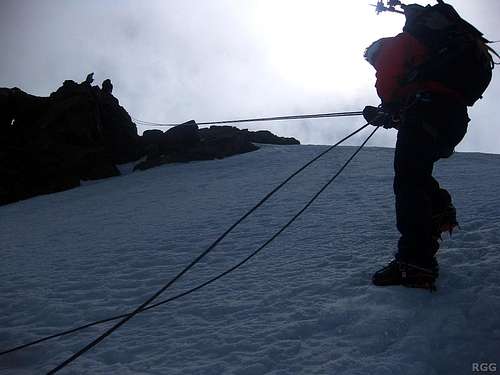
column 394, row 59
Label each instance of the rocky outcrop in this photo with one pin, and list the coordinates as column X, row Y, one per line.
column 50, row 144
column 176, row 139
column 100, row 113
column 266, row 137
column 186, row 142
column 80, row 132
column 216, row 142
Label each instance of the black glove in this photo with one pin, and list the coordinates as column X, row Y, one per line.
column 376, row 116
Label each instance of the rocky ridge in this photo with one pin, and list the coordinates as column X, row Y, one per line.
column 81, row 132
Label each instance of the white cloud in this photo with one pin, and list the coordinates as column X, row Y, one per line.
column 218, row 59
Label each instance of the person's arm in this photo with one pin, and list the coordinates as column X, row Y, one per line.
column 391, row 67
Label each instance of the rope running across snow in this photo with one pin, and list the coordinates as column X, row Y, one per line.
column 106, row 320
column 144, row 305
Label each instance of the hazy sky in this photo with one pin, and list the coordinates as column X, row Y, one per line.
column 172, row 61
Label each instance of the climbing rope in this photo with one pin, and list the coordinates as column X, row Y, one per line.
column 195, row 288
column 98, row 322
column 197, row 259
column 278, row 118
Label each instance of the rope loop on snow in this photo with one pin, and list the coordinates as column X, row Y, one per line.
column 144, row 306
column 102, row 321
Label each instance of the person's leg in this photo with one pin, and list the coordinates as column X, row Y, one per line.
column 431, row 130
column 414, row 187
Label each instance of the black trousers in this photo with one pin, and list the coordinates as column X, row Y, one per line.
column 430, row 130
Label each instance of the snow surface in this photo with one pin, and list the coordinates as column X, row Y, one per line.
column 305, row 305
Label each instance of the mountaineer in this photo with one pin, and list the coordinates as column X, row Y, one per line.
column 426, row 77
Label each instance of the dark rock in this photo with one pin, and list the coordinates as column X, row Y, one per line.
column 50, row 144
column 25, row 110
column 69, row 89
column 80, row 132
column 222, row 141
column 153, row 136
column 218, row 132
column 181, row 136
column 96, row 165
column 219, row 147
column 116, row 129
column 150, row 163
column 177, row 138
column 89, row 79
column 216, row 142
column 107, row 86
column 31, row 171
column 186, row 143
column 119, row 131
column 266, row 137
column 6, row 109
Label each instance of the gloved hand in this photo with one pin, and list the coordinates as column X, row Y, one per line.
column 376, row 116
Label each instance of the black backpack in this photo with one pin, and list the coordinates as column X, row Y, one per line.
column 460, row 57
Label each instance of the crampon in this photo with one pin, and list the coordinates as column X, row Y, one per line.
column 445, row 221
column 408, row 275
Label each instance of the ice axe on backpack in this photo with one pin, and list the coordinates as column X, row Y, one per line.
column 392, row 4
column 390, row 7
column 459, row 56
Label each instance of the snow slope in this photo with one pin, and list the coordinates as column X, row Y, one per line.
column 303, row 306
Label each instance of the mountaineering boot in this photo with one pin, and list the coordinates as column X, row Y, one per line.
column 444, row 216
column 398, row 272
